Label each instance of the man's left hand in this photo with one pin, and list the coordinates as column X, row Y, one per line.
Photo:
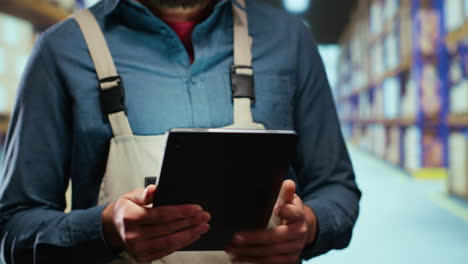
column 283, row 243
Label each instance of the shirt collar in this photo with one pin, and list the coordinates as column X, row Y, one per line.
column 111, row 5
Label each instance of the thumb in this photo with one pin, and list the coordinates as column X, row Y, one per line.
column 143, row 196
column 288, row 190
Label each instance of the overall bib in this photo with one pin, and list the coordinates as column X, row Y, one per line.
column 133, row 158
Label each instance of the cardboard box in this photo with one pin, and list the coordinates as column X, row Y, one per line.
column 409, row 101
column 65, row 4
column 376, row 21
column 459, row 98
column 392, row 54
column 378, row 103
column 15, row 33
column 392, row 97
column 406, row 38
column 454, row 14
column 393, row 151
column 391, row 9
column 412, row 148
column 3, row 61
column 4, row 107
column 458, row 164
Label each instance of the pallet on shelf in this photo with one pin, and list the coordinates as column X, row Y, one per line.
column 414, row 71
column 458, row 120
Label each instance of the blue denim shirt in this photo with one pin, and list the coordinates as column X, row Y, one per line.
column 58, row 131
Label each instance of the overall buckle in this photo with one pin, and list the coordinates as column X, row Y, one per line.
column 112, row 98
column 242, row 82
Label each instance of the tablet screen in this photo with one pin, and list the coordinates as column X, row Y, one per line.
column 235, row 175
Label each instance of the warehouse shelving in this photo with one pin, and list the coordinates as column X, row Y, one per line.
column 41, row 13
column 404, row 66
column 407, row 112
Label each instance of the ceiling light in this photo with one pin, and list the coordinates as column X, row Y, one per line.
column 296, row 6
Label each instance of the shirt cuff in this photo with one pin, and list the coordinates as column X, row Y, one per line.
column 87, row 227
column 324, row 240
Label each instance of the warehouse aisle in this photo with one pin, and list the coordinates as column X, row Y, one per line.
column 403, row 220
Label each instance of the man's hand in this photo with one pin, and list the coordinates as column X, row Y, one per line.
column 147, row 233
column 281, row 244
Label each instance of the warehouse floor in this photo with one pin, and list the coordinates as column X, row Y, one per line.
column 403, row 220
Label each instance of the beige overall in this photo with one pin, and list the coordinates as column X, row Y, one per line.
column 132, row 158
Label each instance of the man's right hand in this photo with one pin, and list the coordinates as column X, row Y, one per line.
column 151, row 233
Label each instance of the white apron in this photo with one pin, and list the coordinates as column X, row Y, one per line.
column 133, row 158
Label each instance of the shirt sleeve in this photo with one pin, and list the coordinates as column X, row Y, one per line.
column 323, row 167
column 33, row 225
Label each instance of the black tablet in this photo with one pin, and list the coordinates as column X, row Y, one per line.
column 235, row 175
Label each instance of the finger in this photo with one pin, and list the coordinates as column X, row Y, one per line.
column 292, row 213
column 144, row 232
column 152, row 256
column 166, row 214
column 142, row 196
column 281, row 233
column 288, row 190
column 287, row 248
column 279, row 259
column 169, row 243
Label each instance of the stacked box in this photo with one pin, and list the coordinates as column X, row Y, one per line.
column 376, row 21
column 347, row 130
column 405, row 32
column 391, row 9
column 378, row 67
column 358, row 134
column 391, row 95
column 3, row 98
column 458, row 164
column 365, row 110
column 393, row 150
column 459, row 79
column 15, row 33
column 64, row 4
column 16, row 40
column 378, row 103
column 465, row 8
column 379, row 140
column 453, row 12
column 392, row 54
column 412, row 148
column 459, row 98
column 409, row 101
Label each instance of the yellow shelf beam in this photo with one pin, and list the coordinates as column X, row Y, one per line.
column 402, row 121
column 41, row 13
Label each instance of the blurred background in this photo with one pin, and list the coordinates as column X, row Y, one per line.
column 399, row 74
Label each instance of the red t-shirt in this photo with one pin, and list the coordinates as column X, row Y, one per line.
column 184, row 31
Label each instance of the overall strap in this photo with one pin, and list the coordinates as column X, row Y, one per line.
column 112, row 92
column 242, row 74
